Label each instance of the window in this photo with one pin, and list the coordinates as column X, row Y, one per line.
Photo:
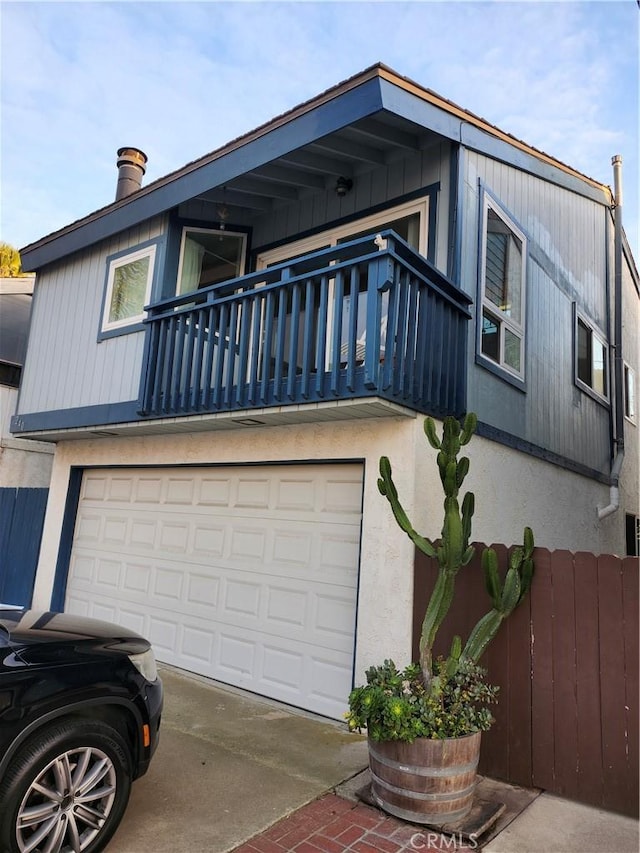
column 502, row 282
column 128, row 290
column 629, row 392
column 409, row 221
column 592, row 356
column 208, row 257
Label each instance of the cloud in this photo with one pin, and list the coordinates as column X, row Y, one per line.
column 178, row 80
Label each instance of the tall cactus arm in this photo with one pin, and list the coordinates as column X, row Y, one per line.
column 387, row 488
column 469, row 427
column 504, row 597
column 485, row 630
column 437, row 609
column 489, row 562
column 430, row 432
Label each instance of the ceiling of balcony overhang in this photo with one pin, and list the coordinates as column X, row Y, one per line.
column 359, row 148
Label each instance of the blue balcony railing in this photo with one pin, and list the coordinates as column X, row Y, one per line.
column 366, row 318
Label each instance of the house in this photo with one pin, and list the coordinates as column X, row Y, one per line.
column 222, row 356
column 25, row 465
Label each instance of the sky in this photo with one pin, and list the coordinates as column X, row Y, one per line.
column 78, row 80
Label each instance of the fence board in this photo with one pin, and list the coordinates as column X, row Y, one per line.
column 21, row 522
column 518, row 627
column 542, row 716
column 496, row 661
column 631, row 605
column 612, row 685
column 564, row 675
column 588, row 680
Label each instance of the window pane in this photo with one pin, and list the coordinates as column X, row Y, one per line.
column 503, row 267
column 629, row 392
column 490, row 337
column 209, row 257
column 512, row 350
column 584, row 353
column 129, row 289
column 599, row 367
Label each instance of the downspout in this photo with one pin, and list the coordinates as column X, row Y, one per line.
column 614, row 492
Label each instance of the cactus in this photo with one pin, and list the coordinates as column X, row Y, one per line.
column 453, row 551
column 505, row 598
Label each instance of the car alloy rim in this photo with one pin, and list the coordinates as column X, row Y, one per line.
column 67, row 805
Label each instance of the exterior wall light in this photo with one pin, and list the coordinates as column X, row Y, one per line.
column 343, row 186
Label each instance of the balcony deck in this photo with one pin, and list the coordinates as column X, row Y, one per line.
column 368, row 318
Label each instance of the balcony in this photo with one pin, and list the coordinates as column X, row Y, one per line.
column 370, row 318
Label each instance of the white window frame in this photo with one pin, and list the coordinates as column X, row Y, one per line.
column 115, row 264
column 502, row 320
column 601, row 338
column 331, row 236
column 630, row 393
column 203, row 230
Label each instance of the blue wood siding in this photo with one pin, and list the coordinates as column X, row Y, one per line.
column 566, row 264
column 21, row 522
column 66, row 366
column 383, row 185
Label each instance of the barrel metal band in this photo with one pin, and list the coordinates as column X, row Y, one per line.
column 434, row 818
column 417, row 795
column 423, row 771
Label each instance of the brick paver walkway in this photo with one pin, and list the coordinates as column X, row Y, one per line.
column 335, row 825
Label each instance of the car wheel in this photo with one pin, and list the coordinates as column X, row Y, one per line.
column 66, row 790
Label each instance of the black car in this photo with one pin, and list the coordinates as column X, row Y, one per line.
column 80, row 707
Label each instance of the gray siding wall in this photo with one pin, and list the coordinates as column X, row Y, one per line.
column 567, row 263
column 66, row 367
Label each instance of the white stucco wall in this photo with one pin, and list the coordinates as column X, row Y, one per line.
column 511, row 490
column 386, row 562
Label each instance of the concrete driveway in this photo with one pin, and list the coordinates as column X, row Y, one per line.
column 227, row 767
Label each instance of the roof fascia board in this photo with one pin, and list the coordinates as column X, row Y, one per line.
column 332, row 115
column 424, row 108
column 484, row 143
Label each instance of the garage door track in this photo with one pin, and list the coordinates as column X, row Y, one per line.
column 228, row 766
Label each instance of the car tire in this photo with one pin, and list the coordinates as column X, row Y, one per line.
column 72, row 778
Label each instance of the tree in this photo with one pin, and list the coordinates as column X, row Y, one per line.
column 10, row 266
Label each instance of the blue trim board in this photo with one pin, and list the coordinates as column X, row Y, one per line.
column 83, row 416
column 357, row 103
column 474, row 138
column 66, row 539
column 454, row 236
column 515, row 443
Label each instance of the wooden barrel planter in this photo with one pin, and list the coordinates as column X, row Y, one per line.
column 428, row 781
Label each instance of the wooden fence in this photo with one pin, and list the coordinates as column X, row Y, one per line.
column 567, row 665
column 21, row 522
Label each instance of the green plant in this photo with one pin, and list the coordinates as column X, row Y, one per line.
column 428, row 684
column 396, row 705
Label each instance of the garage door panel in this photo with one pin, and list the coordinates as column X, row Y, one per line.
column 320, row 612
column 247, row 576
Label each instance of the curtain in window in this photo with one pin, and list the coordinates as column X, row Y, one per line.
column 191, row 265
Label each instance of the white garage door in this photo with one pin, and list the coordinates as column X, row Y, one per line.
column 244, row 574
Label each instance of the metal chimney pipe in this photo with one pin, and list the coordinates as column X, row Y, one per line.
column 131, row 167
